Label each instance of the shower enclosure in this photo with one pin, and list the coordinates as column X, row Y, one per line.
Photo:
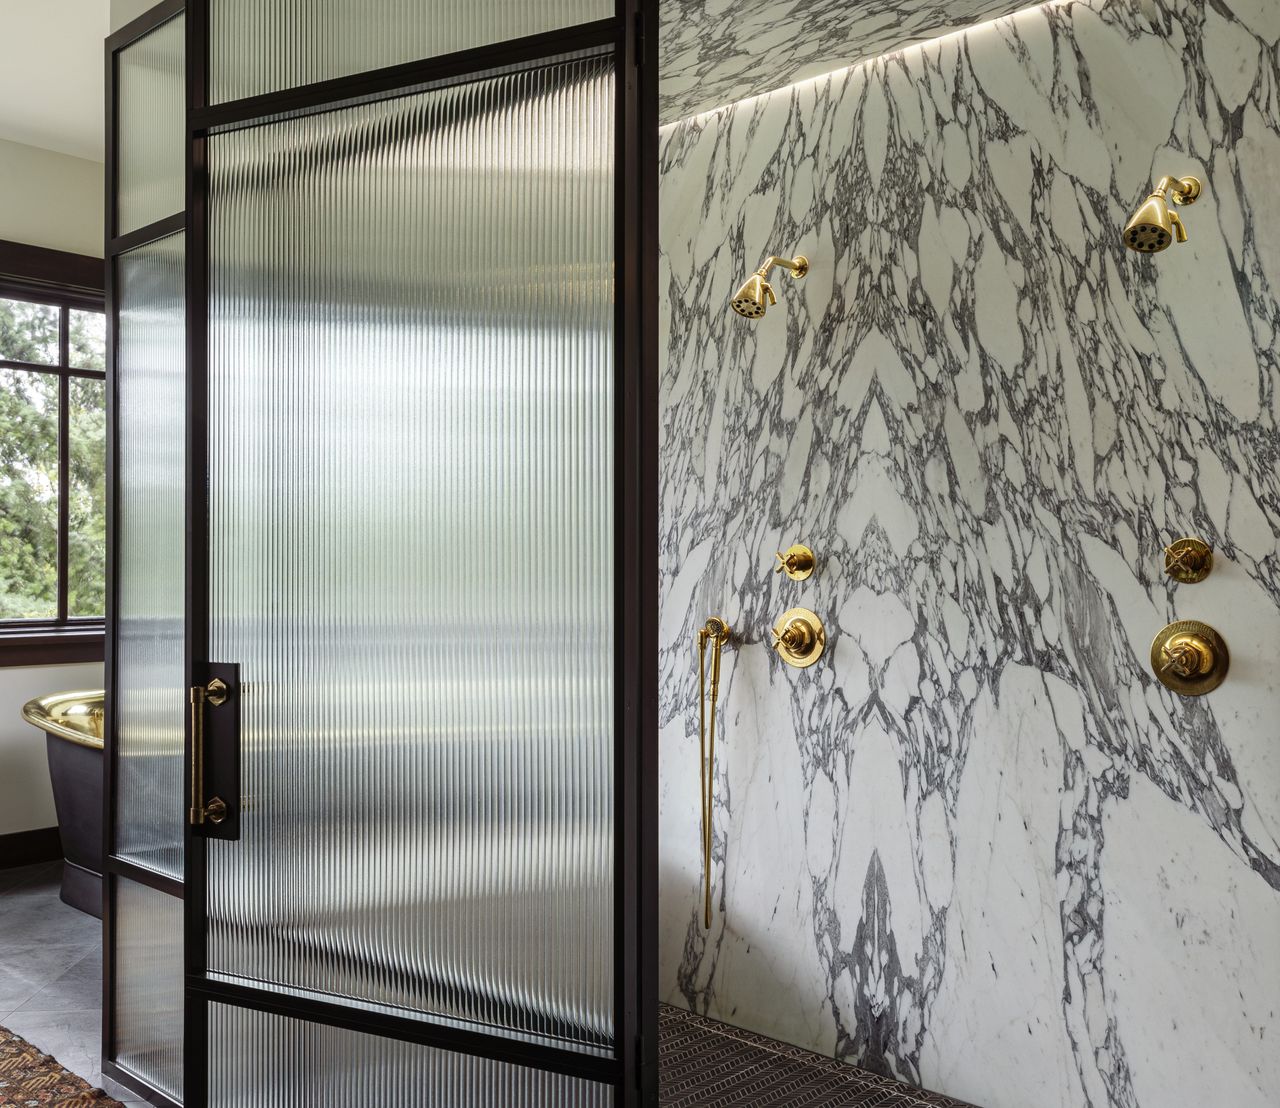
column 382, row 715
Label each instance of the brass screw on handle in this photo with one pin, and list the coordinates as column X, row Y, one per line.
column 1188, row 560
column 1187, row 658
column 1190, row 657
column 799, row 637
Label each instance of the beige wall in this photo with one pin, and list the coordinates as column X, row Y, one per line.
column 26, row 801
column 122, row 11
column 53, row 200
column 49, row 199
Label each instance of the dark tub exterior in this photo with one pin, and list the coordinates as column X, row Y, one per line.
column 72, row 723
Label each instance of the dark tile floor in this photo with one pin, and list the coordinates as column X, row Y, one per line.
column 51, row 971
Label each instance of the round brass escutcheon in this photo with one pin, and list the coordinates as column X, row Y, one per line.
column 1188, row 561
column 797, row 563
column 1190, row 657
column 802, row 267
column 799, row 637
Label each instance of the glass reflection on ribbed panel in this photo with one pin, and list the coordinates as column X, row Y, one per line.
column 259, row 46
column 148, row 985
column 260, row 1060
column 411, row 413
column 151, row 127
column 150, row 401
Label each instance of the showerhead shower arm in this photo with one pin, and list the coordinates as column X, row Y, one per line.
column 798, row 266
column 1182, row 190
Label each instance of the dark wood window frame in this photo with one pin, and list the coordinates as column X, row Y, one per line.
column 71, row 282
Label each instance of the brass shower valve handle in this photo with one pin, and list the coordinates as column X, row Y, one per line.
column 797, row 563
column 1188, row 560
column 1190, row 657
column 799, row 637
column 1187, row 656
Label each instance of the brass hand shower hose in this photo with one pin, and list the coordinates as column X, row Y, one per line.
column 716, row 632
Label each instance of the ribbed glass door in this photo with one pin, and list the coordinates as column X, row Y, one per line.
column 411, row 415
column 412, row 411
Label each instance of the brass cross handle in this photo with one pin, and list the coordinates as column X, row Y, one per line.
column 1188, row 560
column 1187, row 655
column 1190, row 657
column 799, row 637
column 797, row 563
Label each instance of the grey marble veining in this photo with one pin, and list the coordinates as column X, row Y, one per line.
column 716, row 52
column 978, row 846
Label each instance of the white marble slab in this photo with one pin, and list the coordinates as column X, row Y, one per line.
column 978, row 846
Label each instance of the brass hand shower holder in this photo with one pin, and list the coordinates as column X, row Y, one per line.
column 714, row 633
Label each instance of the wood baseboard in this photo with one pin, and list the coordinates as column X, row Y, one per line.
column 26, row 848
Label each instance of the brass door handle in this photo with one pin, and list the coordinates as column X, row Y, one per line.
column 213, row 694
column 1190, row 657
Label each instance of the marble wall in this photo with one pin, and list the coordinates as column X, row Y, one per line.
column 978, row 846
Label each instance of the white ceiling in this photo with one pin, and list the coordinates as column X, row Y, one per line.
column 51, row 74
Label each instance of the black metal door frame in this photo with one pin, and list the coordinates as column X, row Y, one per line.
column 114, row 246
column 631, row 37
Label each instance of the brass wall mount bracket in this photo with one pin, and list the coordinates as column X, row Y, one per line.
column 797, row 563
column 799, row 637
column 1188, row 561
column 1190, row 657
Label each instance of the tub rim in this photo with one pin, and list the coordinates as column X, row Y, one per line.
column 48, row 712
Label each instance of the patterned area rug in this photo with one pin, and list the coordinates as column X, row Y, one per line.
column 705, row 1064
column 29, row 1079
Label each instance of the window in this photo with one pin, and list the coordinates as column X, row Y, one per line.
column 52, row 474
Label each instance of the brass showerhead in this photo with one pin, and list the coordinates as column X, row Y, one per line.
column 750, row 300
column 1153, row 226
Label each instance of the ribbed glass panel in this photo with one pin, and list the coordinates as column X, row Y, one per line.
column 148, row 985
column 261, row 1060
column 150, row 404
column 151, row 127
column 261, row 46
column 411, row 481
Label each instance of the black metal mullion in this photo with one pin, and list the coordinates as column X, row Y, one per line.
column 136, row 1085
column 109, row 751
column 196, row 575
column 636, row 570
column 30, row 367
column 141, row 236
column 64, row 460
column 400, row 79
column 141, row 875
column 423, row 1031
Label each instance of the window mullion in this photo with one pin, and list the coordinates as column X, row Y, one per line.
column 64, row 458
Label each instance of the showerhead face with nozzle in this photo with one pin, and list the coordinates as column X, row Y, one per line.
column 1153, row 226
column 750, row 300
